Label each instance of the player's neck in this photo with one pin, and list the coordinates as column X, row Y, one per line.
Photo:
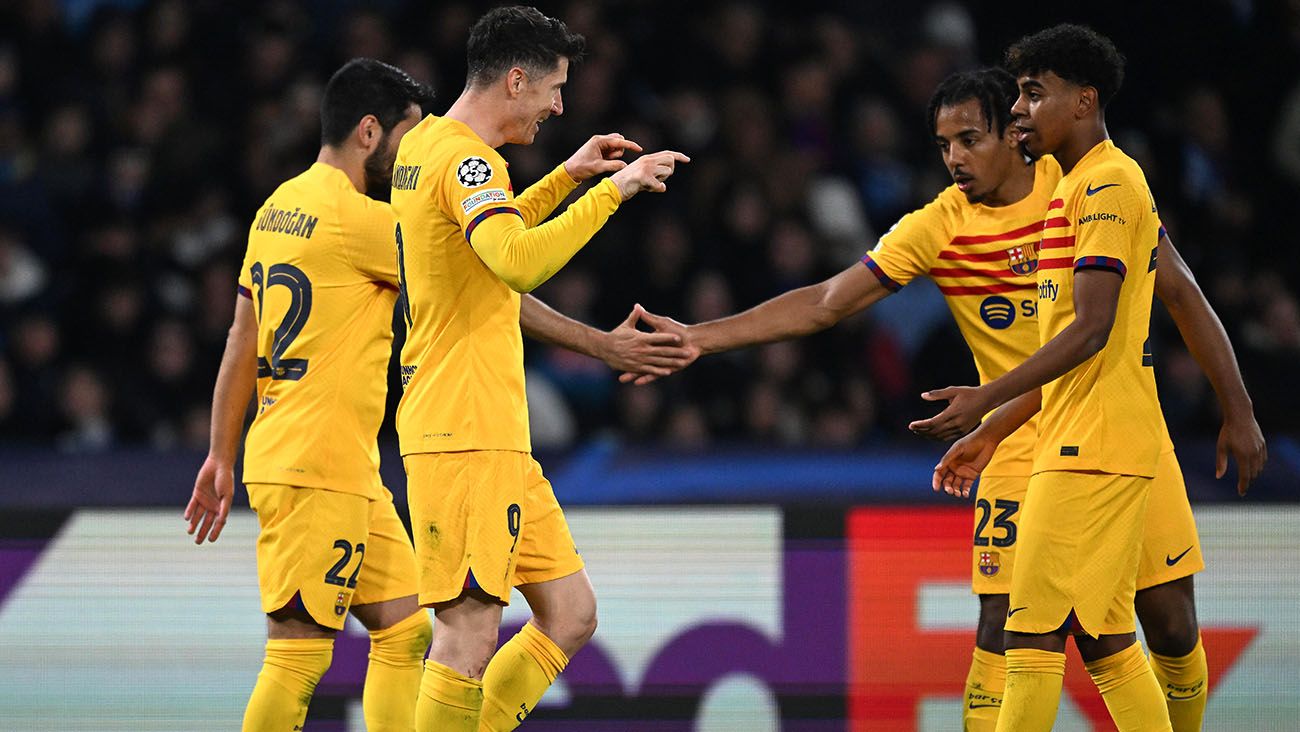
column 481, row 114
column 1076, row 146
column 351, row 162
column 1018, row 185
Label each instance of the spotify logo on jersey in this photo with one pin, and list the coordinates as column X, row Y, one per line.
column 998, row 312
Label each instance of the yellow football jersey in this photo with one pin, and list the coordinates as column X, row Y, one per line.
column 983, row 259
column 462, row 237
column 1104, row 414
column 322, row 275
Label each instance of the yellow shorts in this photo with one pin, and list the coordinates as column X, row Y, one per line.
column 330, row 549
column 1080, row 539
column 997, row 515
column 485, row 519
column 1171, row 548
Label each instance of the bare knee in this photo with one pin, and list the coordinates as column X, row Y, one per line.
column 295, row 623
column 465, row 635
column 564, row 610
column 1094, row 649
column 1168, row 616
column 570, row 627
column 1054, row 641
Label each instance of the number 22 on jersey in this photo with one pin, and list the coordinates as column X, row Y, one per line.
column 295, row 317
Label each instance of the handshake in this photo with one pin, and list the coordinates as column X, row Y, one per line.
column 644, row 356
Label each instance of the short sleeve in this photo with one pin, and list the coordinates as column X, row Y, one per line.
column 910, row 247
column 244, row 284
column 477, row 186
column 371, row 241
column 1109, row 223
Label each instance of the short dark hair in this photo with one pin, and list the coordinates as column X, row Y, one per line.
column 519, row 36
column 993, row 88
column 1075, row 53
column 365, row 86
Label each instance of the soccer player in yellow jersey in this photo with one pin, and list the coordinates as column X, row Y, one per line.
column 484, row 518
column 313, row 333
column 978, row 241
column 1100, row 434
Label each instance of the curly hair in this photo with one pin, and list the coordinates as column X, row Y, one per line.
column 1075, row 53
column 519, row 36
column 993, row 88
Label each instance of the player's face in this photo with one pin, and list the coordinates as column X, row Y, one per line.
column 978, row 159
column 379, row 163
column 1044, row 112
column 539, row 98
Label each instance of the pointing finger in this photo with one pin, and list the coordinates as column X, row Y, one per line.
column 617, row 140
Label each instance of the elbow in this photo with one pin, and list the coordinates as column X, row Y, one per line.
column 521, row 282
column 1171, row 294
column 827, row 309
column 822, row 317
column 517, row 283
column 1094, row 340
column 521, row 276
column 516, row 276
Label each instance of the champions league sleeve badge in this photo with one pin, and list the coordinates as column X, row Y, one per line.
column 473, row 172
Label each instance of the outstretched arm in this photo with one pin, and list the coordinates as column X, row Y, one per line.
column 793, row 314
column 790, row 315
column 623, row 349
column 1205, row 337
column 214, row 488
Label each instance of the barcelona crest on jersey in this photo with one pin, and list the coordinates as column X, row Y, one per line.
column 989, row 564
column 1023, row 259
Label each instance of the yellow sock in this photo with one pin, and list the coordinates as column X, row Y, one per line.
column 449, row 702
column 284, row 687
column 520, row 672
column 984, row 686
column 393, row 676
column 1184, row 682
column 1033, row 690
column 1130, row 691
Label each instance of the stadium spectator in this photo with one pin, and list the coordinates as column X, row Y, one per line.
column 136, row 139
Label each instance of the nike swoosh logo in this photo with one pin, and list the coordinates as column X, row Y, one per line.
column 1092, row 190
column 1174, row 697
column 1013, row 611
column 1171, row 561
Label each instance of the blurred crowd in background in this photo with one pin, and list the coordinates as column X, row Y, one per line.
column 138, row 138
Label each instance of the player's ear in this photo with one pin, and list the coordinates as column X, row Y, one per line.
column 515, row 80
column 1087, row 101
column 369, row 132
